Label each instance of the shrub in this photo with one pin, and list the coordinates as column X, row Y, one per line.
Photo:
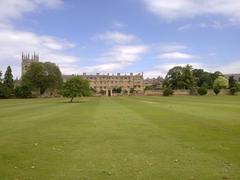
column 23, row 92
column 233, row 90
column 168, row 92
column 193, row 91
column 5, row 91
column 202, row 91
column 216, row 90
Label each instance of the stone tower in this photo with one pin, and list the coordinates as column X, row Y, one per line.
column 27, row 60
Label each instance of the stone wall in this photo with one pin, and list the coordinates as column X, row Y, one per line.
column 186, row 92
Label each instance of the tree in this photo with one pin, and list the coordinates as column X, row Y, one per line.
column 203, row 78
column 232, row 82
column 173, row 78
column 23, row 92
column 168, row 91
column 202, row 91
column 0, row 77
column 5, row 91
column 43, row 76
column 215, row 75
column 8, row 79
column 117, row 90
column 216, row 90
column 233, row 90
column 187, row 77
column 221, row 82
column 76, row 87
column 180, row 78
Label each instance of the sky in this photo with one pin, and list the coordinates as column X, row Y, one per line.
column 112, row 36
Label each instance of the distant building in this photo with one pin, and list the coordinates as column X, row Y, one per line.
column 27, row 60
column 100, row 83
column 154, row 83
column 106, row 83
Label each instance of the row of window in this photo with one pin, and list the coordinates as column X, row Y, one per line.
column 106, row 87
column 113, row 78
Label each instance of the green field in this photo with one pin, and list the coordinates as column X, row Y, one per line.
column 120, row 138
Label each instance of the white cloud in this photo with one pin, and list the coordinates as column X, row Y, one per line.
column 185, row 27
column 119, row 57
column 175, row 9
column 124, row 54
column 171, row 47
column 116, row 59
column 117, row 25
column 231, row 68
column 13, row 9
column 117, row 37
column 162, row 70
column 13, row 41
column 176, row 56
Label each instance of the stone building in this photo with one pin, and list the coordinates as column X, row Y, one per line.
column 104, row 84
column 27, row 60
column 154, row 83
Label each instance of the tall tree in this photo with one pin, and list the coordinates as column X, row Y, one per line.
column 0, row 76
column 43, row 76
column 187, row 77
column 215, row 75
column 8, row 79
column 173, row 78
column 76, row 87
column 180, row 77
column 4, row 90
column 203, row 79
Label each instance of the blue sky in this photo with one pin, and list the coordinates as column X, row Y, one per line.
column 111, row 36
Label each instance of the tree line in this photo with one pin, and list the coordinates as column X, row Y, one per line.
column 47, row 77
column 41, row 78
column 198, row 81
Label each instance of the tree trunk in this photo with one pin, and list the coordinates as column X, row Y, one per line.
column 71, row 100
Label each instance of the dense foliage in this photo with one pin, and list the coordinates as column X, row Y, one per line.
column 188, row 78
column 180, row 78
column 6, row 84
column 221, row 82
column 76, row 87
column 43, row 76
column 216, row 90
column 202, row 91
column 168, row 91
column 117, row 90
column 23, row 92
column 8, row 79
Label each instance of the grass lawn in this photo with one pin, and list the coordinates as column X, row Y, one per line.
column 120, row 138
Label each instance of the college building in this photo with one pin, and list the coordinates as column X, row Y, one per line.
column 105, row 84
column 101, row 84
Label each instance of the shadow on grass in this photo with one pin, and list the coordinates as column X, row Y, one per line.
column 74, row 102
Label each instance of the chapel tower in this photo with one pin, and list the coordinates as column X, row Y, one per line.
column 27, row 60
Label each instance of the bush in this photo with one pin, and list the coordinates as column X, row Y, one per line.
column 117, row 90
column 202, row 91
column 23, row 92
column 5, row 92
column 216, row 90
column 193, row 91
column 167, row 92
column 233, row 90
